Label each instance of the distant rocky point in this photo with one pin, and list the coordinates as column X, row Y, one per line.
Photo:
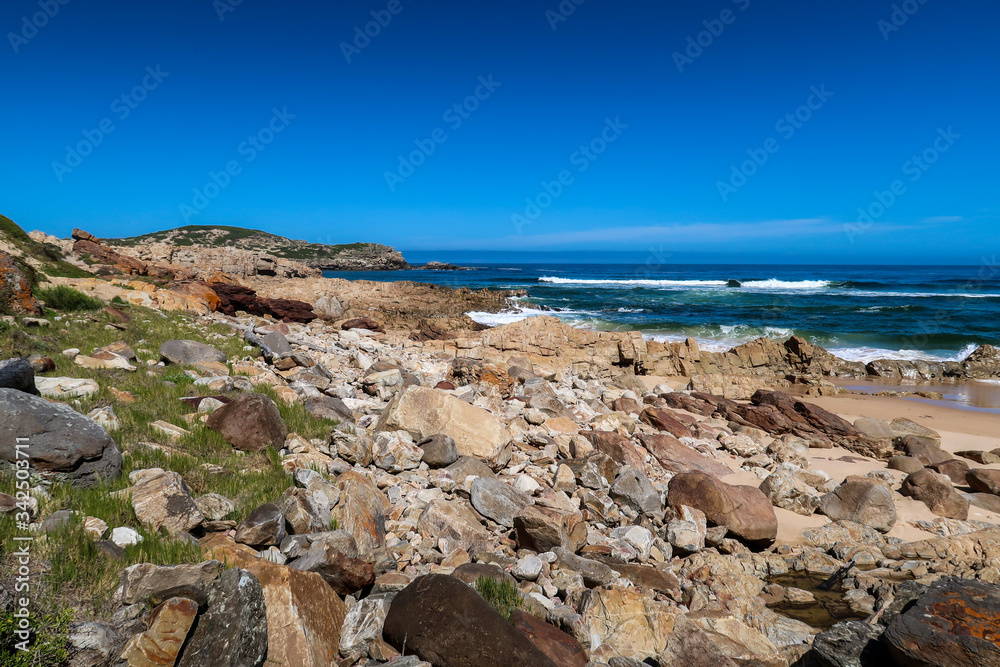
column 441, row 266
column 341, row 257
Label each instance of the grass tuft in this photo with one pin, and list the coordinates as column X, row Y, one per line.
column 67, row 300
column 502, row 595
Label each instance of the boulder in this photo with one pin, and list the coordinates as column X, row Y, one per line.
column 498, row 501
column 984, row 480
column 562, row 649
column 190, row 352
column 439, row 450
column 953, row 469
column 634, row 489
column 785, row 490
column 717, row 639
column 938, row 494
column 625, row 622
column 363, row 626
column 361, row 511
column 861, row 500
column 233, row 632
column 250, row 422
column 345, row 575
column 162, row 499
column 664, row 420
column 744, row 510
column 304, row 615
column 927, row 450
column 146, row 582
column 423, row 412
column 907, row 464
column 445, row 622
column 329, row 307
column 15, row 290
column 265, row 526
column 168, row 625
column 543, row 529
column 394, row 454
column 954, row 623
column 305, row 511
column 63, row 445
column 451, row 525
column 874, row 428
column 674, row 456
column 63, row 388
column 18, row 374
column 686, row 532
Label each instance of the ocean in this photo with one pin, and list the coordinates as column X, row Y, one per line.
column 859, row 313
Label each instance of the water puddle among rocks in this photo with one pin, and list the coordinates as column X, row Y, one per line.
column 802, row 600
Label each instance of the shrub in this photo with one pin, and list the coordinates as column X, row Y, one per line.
column 47, row 646
column 67, row 299
column 502, row 595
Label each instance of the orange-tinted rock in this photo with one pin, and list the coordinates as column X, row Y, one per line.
column 956, row 623
column 103, row 255
column 199, row 290
column 168, row 628
column 664, row 420
column 16, row 288
column 744, row 510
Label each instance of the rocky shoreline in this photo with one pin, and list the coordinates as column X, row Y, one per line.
column 531, row 494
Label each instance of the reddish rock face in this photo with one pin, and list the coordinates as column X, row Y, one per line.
column 14, row 288
column 955, row 623
column 251, row 422
column 104, row 255
column 663, row 420
column 619, row 448
column 939, row 495
column 361, row 323
column 744, row 510
column 562, row 648
column 676, row 457
column 234, row 297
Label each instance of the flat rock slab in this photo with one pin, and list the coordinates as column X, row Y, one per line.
column 190, row 352
column 954, row 623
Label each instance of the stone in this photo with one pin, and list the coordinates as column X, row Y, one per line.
column 984, row 480
column 674, row 456
column 64, row 445
column 850, row 644
column 189, row 352
column 329, row 408
column 329, row 307
column 393, row 453
column 594, row 573
column 980, row 456
column 106, row 417
column 954, row 469
column 907, row 464
column 744, row 510
column 563, row 649
column 361, row 511
column 451, row 525
column 565, row 479
column 265, row 526
column 124, row 536
column 64, row 388
column 954, row 623
column 250, row 422
column 108, row 361
column 470, row 572
column 162, row 499
column 363, row 626
column 634, row 489
column 686, row 532
column 543, row 529
column 445, row 622
column 156, row 583
column 863, row 501
column 910, row 427
column 92, row 643
column 527, row 568
column 169, row 624
column 344, row 574
column 625, row 622
column 785, row 490
column 16, row 289
column 304, row 615
column 707, row 638
column 664, row 420
column 423, row 412
column 18, row 374
column 439, row 450
column 95, row 527
column 874, row 428
column 498, row 501
column 939, row 495
column 215, row 507
column 305, row 511
column 927, row 451
column 233, row 631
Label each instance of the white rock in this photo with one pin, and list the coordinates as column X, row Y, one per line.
column 526, row 484
column 125, row 537
column 528, row 568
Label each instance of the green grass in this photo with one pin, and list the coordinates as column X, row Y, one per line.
column 67, row 300
column 47, row 646
column 50, row 257
column 78, row 571
column 502, row 595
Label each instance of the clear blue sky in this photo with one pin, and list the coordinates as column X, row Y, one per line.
column 887, row 93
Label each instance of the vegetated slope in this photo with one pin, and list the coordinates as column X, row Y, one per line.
column 350, row 256
column 34, row 257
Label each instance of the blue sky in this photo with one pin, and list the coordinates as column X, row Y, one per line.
column 582, row 130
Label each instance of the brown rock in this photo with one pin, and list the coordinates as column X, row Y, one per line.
column 954, row 623
column 362, row 323
column 344, row 574
column 445, row 622
column 168, row 625
column 562, row 648
column 984, row 480
column 954, row 469
column 250, row 422
column 16, row 289
column 744, row 510
column 863, row 501
column 927, row 450
column 361, row 511
column 663, row 420
column 674, row 456
column 161, row 499
column 939, row 495
column 542, row 529
column 617, row 446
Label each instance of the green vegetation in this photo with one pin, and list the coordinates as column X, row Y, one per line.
column 502, row 595
column 47, row 647
column 67, row 300
column 78, row 571
column 49, row 257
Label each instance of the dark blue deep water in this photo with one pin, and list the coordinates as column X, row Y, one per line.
column 857, row 312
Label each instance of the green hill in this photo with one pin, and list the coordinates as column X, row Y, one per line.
column 34, row 258
column 349, row 256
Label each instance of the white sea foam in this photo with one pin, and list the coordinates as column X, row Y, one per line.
column 632, row 282
column 774, row 283
column 631, row 310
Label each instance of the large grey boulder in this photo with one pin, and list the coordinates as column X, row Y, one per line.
column 497, row 500
column 62, row 445
column 190, row 352
column 18, row 374
column 233, row 631
column 863, row 501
